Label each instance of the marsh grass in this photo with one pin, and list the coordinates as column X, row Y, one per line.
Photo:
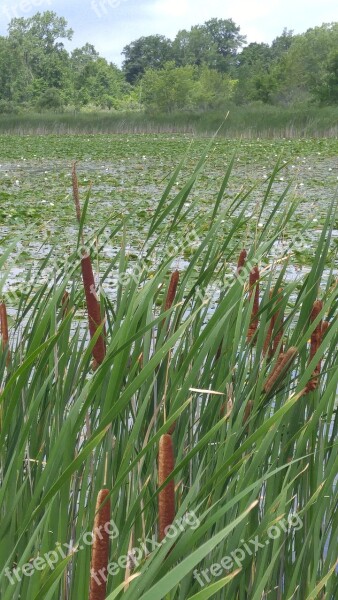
column 67, row 432
column 250, row 121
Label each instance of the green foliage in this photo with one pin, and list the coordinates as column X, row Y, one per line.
column 168, row 89
column 150, row 52
column 306, row 62
column 294, row 69
column 50, row 99
column 182, row 88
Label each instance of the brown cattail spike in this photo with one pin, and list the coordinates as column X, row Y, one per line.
column 269, row 332
column 172, row 290
column 65, row 304
column 166, row 497
column 93, row 309
column 254, row 289
column 276, row 319
column 241, row 261
column 100, row 551
column 93, row 304
column 282, row 365
column 76, row 194
column 4, row 330
column 316, row 340
column 247, row 411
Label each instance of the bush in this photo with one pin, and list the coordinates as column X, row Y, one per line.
column 8, row 108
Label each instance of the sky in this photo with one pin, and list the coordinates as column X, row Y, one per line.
column 111, row 24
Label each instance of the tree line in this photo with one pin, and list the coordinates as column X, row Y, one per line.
column 202, row 69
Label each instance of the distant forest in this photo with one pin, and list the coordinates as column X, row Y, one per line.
column 203, row 69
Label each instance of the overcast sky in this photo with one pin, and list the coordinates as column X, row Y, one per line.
column 111, row 24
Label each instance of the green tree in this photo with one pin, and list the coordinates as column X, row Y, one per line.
column 214, row 44
column 150, row 52
column 227, row 39
column 38, row 43
column 194, row 47
column 50, row 99
column 168, row 89
column 213, row 90
column 99, row 83
column 327, row 92
column 305, row 63
column 254, row 63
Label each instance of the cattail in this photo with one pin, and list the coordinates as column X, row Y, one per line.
column 172, row 290
column 325, row 327
column 267, row 340
column 4, row 330
column 283, row 363
column 279, row 335
column 254, row 289
column 316, row 340
column 247, row 411
column 277, row 317
column 93, row 304
column 65, row 304
column 3, row 325
column 93, row 309
column 76, row 194
column 241, row 261
column 166, row 498
column 219, row 351
column 100, row 552
column 172, row 428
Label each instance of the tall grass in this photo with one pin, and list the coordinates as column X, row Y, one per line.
column 250, row 121
column 68, row 433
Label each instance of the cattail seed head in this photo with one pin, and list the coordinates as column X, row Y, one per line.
column 253, row 289
column 65, row 304
column 172, row 290
column 4, row 330
column 247, row 411
column 172, row 428
column 93, row 309
column 4, row 325
column 269, row 332
column 279, row 321
column 100, row 548
column 241, row 261
column 166, row 497
column 316, row 340
column 76, row 194
column 282, row 365
column 277, row 317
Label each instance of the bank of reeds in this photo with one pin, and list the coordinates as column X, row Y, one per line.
column 265, row 470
